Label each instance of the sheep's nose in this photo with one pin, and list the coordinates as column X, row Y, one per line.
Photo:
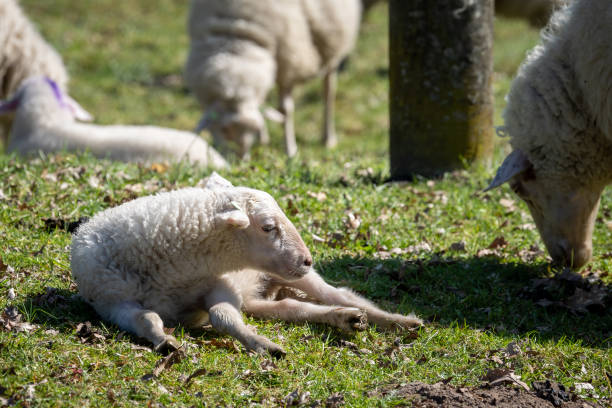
column 308, row 261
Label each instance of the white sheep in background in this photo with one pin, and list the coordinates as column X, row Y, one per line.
column 559, row 119
column 196, row 255
column 23, row 53
column 241, row 48
column 45, row 121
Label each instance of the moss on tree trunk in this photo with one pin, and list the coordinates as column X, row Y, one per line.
column 441, row 103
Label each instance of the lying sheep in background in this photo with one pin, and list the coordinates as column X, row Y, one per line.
column 240, row 48
column 23, row 53
column 45, row 121
column 559, row 119
column 197, row 255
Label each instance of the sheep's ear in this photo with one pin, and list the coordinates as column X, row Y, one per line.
column 235, row 218
column 216, row 182
column 77, row 110
column 9, row 106
column 515, row 163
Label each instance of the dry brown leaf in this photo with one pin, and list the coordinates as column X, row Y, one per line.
column 320, row 196
column 335, row 400
column 197, row 373
column 296, row 398
column 499, row 242
column 497, row 376
column 168, row 361
column 267, row 365
column 458, row 246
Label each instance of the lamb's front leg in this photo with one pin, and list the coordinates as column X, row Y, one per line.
column 132, row 317
column 291, row 310
column 313, row 285
column 330, row 139
column 287, row 107
column 224, row 313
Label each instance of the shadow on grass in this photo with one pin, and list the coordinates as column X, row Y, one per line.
column 482, row 293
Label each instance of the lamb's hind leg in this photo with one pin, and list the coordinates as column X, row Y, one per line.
column 313, row 285
column 132, row 317
column 292, row 310
column 223, row 307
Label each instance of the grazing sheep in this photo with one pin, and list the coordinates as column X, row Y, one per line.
column 197, row 255
column 559, row 119
column 240, row 48
column 45, row 121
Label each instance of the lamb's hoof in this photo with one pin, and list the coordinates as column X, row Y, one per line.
column 167, row 346
column 350, row 318
column 401, row 322
column 266, row 346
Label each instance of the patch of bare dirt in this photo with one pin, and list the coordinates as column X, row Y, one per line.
column 421, row 395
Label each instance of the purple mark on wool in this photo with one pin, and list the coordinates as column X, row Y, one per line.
column 57, row 92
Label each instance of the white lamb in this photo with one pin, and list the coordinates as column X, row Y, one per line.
column 23, row 53
column 559, row 119
column 241, row 48
column 45, row 121
column 195, row 255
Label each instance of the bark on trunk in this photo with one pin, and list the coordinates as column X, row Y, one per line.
column 440, row 71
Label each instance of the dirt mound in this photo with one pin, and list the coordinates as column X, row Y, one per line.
column 548, row 395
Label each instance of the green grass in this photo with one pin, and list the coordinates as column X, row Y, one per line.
column 120, row 55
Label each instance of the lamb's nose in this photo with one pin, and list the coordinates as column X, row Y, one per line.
column 308, row 261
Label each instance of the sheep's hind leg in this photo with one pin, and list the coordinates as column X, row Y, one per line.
column 223, row 307
column 132, row 317
column 287, row 107
column 292, row 310
column 330, row 139
column 313, row 285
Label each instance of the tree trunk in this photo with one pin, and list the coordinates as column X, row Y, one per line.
column 441, row 103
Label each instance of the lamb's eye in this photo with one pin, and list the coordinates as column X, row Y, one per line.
column 268, row 227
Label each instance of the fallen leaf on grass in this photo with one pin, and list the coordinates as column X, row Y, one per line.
column 197, row 373
column 296, row 398
column 508, row 204
column 227, row 344
column 10, row 320
column 159, row 167
column 496, row 376
column 267, row 365
column 335, row 400
column 89, row 334
column 457, row 246
column 51, row 297
column 499, row 242
column 168, row 361
column 320, row 196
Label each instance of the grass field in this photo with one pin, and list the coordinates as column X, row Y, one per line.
column 421, row 246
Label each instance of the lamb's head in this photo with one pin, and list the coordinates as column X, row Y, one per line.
column 270, row 242
column 564, row 210
column 39, row 97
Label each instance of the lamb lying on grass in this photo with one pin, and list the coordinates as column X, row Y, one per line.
column 239, row 49
column 45, row 121
column 194, row 256
column 559, row 119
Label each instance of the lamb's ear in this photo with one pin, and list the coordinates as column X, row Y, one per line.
column 235, row 217
column 215, row 182
column 515, row 163
column 77, row 110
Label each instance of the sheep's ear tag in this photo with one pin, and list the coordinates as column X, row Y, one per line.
column 515, row 163
column 215, row 182
column 236, row 218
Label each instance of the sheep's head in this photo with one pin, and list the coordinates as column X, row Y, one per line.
column 234, row 129
column 271, row 242
column 564, row 212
